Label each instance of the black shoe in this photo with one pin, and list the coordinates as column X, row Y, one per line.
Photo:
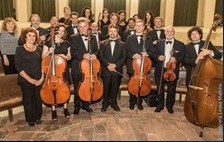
column 38, row 122
column 140, row 107
column 76, row 111
column 131, row 107
column 54, row 115
column 158, row 109
column 66, row 113
column 170, row 110
column 104, row 109
column 116, row 108
column 88, row 109
column 31, row 124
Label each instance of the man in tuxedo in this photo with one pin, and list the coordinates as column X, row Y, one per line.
column 95, row 31
column 130, row 30
column 134, row 47
column 158, row 32
column 80, row 49
column 167, row 50
column 194, row 51
column 114, row 18
column 72, row 28
column 112, row 57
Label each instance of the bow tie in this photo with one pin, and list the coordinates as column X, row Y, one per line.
column 113, row 40
column 139, row 36
column 74, row 27
column 84, row 35
column 94, row 33
column 196, row 43
column 170, row 42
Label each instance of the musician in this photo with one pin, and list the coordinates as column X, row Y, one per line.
column 194, row 51
column 41, row 32
column 148, row 19
column 53, row 24
column 112, row 57
column 95, row 31
column 66, row 18
column 162, row 55
column 80, row 51
column 62, row 49
column 134, row 47
column 122, row 21
column 105, row 19
column 28, row 64
column 130, row 29
column 8, row 43
column 87, row 13
column 72, row 28
column 114, row 18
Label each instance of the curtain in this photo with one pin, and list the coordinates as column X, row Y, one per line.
column 185, row 12
column 44, row 8
column 218, row 7
column 78, row 5
column 152, row 5
column 114, row 5
column 6, row 9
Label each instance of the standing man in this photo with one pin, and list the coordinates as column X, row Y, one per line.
column 194, row 51
column 134, row 47
column 72, row 28
column 162, row 55
column 80, row 49
column 130, row 30
column 112, row 57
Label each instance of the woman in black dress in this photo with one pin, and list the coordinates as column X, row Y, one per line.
column 62, row 49
column 28, row 64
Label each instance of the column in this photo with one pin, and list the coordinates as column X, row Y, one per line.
column 209, row 8
column 133, row 8
column 169, row 12
column 59, row 9
column 97, row 7
column 21, row 7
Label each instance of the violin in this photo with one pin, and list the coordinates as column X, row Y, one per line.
column 91, row 88
column 54, row 90
column 169, row 74
column 140, row 84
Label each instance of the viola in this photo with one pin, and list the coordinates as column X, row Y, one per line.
column 91, row 88
column 54, row 90
column 169, row 74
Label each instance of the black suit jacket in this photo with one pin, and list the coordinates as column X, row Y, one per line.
column 118, row 58
column 78, row 50
column 70, row 32
column 126, row 34
column 153, row 34
column 191, row 56
column 132, row 47
column 178, row 46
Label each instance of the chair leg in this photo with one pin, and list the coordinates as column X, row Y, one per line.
column 180, row 98
column 10, row 114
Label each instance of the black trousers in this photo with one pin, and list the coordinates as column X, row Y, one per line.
column 32, row 102
column 78, row 103
column 171, row 92
column 110, row 90
column 11, row 68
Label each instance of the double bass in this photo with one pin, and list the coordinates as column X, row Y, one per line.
column 54, row 89
column 90, row 88
column 140, row 84
column 202, row 101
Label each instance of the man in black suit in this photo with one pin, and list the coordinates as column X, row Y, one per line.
column 80, row 49
column 194, row 51
column 157, row 33
column 72, row 28
column 134, row 47
column 112, row 57
column 130, row 30
column 95, row 31
column 114, row 18
column 167, row 50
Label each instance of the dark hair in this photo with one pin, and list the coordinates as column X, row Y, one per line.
column 83, row 12
column 62, row 25
column 113, row 26
column 151, row 20
column 24, row 33
column 121, row 11
column 195, row 28
column 105, row 9
column 112, row 14
column 33, row 15
column 131, row 19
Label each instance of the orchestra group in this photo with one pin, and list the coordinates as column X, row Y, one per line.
column 88, row 52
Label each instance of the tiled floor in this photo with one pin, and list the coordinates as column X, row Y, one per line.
column 125, row 125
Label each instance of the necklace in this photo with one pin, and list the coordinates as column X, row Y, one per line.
column 30, row 48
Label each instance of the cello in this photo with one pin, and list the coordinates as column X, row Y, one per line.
column 202, row 102
column 139, row 84
column 54, row 89
column 91, row 88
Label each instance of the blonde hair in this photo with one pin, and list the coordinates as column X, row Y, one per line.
column 8, row 20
